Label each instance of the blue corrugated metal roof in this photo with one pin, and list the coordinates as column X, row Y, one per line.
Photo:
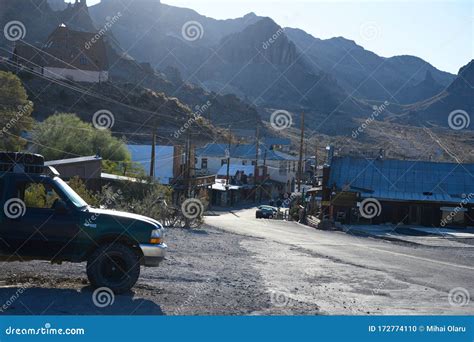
column 404, row 180
column 276, row 141
column 241, row 151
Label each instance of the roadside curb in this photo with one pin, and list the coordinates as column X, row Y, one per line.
column 363, row 233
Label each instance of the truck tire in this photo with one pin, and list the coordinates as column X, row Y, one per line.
column 115, row 266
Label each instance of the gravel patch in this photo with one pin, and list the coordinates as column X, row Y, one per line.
column 207, row 272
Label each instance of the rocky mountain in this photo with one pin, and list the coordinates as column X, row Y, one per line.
column 251, row 64
column 423, row 90
column 164, row 35
column 458, row 97
column 273, row 75
column 250, row 56
column 367, row 75
column 40, row 20
column 253, row 57
column 57, row 5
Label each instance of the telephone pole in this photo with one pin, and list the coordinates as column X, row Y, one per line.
column 300, row 162
column 153, row 154
column 256, row 163
column 228, row 158
column 315, row 150
column 186, row 165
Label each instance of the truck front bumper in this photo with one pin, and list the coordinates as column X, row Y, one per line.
column 153, row 255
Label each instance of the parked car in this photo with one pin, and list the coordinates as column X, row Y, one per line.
column 266, row 211
column 44, row 219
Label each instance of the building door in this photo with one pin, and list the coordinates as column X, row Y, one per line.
column 415, row 215
column 428, row 217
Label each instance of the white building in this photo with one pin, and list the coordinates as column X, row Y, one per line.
column 281, row 167
column 164, row 160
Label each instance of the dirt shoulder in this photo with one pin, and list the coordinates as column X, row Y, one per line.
column 207, row 272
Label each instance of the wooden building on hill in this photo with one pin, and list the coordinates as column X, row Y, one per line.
column 66, row 55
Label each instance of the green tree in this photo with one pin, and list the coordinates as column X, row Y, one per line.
column 15, row 112
column 80, row 188
column 66, row 136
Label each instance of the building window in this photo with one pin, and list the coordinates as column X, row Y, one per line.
column 204, row 163
column 244, row 162
column 223, row 162
column 83, row 60
column 294, row 167
column 254, row 163
column 282, row 168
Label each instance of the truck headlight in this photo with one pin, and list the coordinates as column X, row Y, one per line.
column 156, row 237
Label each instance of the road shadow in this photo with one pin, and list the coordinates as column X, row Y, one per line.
column 43, row 301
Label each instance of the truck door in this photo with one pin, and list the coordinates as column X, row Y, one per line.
column 40, row 230
column 4, row 247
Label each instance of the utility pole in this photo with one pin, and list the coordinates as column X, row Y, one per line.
column 315, row 160
column 256, row 163
column 300, row 162
column 315, row 150
column 188, row 165
column 153, row 154
column 264, row 167
column 228, row 158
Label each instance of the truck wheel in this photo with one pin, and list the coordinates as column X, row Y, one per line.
column 115, row 266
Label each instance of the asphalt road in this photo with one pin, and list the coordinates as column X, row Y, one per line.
column 346, row 274
column 238, row 265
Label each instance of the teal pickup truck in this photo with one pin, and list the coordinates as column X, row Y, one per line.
column 44, row 219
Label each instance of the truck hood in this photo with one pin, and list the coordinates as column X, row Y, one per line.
column 124, row 215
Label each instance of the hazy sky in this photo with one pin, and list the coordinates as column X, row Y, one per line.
column 441, row 32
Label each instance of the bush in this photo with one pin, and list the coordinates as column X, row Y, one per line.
column 15, row 112
column 80, row 187
column 148, row 199
column 66, row 136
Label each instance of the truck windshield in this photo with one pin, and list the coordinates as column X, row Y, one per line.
column 71, row 194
